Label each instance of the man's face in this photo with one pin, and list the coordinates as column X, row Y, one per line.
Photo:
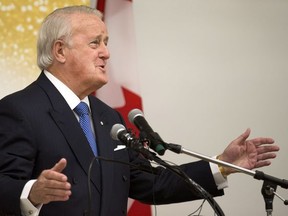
column 86, row 54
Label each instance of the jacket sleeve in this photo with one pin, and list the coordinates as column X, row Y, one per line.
column 162, row 186
column 16, row 152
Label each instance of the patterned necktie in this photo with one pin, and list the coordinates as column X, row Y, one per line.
column 82, row 111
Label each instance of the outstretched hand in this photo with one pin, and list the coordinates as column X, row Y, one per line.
column 51, row 185
column 249, row 154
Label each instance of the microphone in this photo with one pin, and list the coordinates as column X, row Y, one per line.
column 119, row 132
column 136, row 117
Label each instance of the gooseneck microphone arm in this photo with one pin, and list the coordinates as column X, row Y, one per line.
column 256, row 174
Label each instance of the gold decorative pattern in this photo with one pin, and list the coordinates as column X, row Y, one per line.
column 19, row 24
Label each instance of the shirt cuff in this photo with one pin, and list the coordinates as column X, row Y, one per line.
column 219, row 179
column 27, row 208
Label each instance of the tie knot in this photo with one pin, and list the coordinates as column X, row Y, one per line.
column 82, row 109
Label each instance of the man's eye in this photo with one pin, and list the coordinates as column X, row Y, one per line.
column 95, row 43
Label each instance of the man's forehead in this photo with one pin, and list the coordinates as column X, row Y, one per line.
column 90, row 22
column 82, row 19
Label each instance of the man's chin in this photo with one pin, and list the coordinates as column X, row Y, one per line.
column 101, row 84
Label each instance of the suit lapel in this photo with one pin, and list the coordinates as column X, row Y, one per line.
column 106, row 148
column 102, row 128
column 71, row 130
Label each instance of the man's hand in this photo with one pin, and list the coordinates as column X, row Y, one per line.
column 248, row 154
column 51, row 185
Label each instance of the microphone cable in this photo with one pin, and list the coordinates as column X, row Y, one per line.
column 193, row 186
column 198, row 209
column 148, row 169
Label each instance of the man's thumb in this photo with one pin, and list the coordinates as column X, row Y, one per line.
column 60, row 165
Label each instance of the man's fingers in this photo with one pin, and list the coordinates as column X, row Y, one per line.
column 266, row 156
column 48, row 195
column 51, row 198
column 51, row 185
column 57, row 192
column 264, row 163
column 56, row 184
column 55, row 172
column 267, row 149
column 262, row 141
column 60, row 166
column 245, row 135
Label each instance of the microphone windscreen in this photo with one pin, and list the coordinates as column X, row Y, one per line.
column 133, row 114
column 115, row 130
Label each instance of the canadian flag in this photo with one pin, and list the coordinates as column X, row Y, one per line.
column 122, row 91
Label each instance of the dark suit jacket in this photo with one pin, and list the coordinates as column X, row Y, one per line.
column 37, row 128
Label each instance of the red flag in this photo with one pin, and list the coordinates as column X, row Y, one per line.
column 122, row 91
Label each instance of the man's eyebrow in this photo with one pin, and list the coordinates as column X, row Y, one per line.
column 100, row 37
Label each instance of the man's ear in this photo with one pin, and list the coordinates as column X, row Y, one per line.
column 59, row 51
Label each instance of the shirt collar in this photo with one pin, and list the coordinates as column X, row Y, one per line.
column 69, row 96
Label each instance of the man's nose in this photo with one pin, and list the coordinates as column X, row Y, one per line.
column 104, row 52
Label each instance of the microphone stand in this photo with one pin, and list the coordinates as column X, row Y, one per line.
column 128, row 138
column 137, row 146
column 269, row 185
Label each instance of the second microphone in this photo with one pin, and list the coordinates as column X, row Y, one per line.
column 136, row 117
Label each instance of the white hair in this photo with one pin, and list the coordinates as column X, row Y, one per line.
column 57, row 26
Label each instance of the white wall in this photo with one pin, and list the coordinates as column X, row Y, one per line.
column 209, row 70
